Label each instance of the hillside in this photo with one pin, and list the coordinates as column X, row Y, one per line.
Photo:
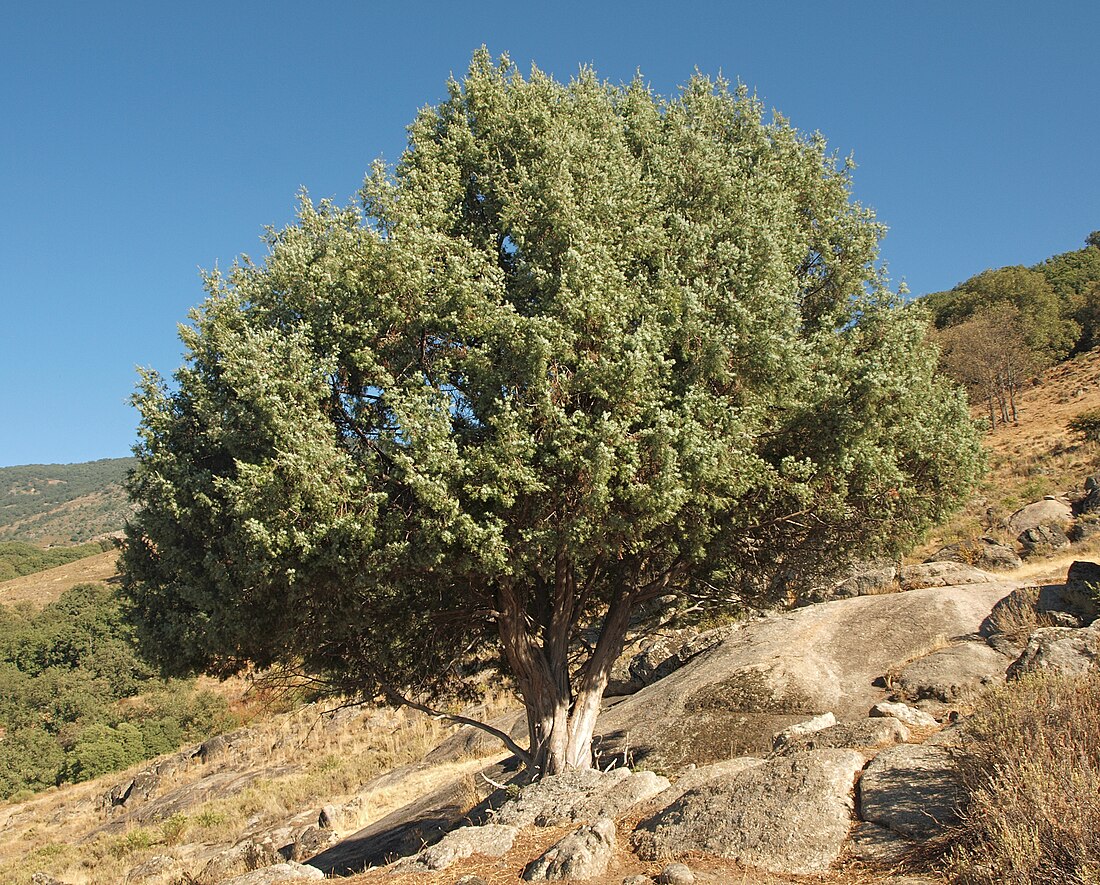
column 41, row 588
column 1037, row 456
column 63, row 503
column 263, row 787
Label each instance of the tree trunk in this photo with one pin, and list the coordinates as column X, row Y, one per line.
column 561, row 724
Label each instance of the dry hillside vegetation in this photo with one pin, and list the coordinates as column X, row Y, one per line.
column 63, row 503
column 253, row 779
column 1037, row 456
column 45, row 587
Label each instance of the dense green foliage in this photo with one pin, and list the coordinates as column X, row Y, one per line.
column 1047, row 329
column 63, row 671
column 18, row 559
column 1057, row 303
column 584, row 348
column 68, row 503
column 1075, row 278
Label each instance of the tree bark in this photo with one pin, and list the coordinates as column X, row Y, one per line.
column 560, row 723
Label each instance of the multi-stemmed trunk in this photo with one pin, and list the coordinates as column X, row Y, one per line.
column 562, row 707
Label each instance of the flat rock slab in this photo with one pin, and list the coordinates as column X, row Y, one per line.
column 580, row 797
column 911, row 789
column 952, row 674
column 781, row 670
column 786, row 815
column 863, row 734
column 583, row 854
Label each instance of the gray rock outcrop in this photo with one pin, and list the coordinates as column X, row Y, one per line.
column 905, row 714
column 490, row 840
column 983, row 553
column 776, row 672
column 941, row 574
column 282, row 872
column 1081, row 593
column 878, row 846
column 1065, row 650
column 863, row 734
column 580, row 797
column 787, row 815
column 583, row 854
column 1042, row 538
column 952, row 674
column 1049, row 511
column 802, row 729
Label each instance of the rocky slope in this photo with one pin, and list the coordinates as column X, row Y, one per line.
column 789, row 745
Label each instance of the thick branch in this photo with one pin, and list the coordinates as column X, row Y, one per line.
column 396, row 697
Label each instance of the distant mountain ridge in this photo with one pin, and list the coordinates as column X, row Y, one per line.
column 47, row 504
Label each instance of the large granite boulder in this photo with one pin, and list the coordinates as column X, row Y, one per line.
column 1081, row 594
column 580, row 797
column 1049, row 511
column 951, row 674
column 1065, row 650
column 791, row 814
column 490, row 840
column 1042, row 538
column 779, row 671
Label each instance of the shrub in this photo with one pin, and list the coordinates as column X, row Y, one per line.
column 1087, row 424
column 1030, row 768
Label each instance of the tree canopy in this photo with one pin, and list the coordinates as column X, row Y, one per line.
column 1046, row 321
column 583, row 349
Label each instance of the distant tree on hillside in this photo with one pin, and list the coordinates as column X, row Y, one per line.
column 586, row 349
column 1093, row 239
column 1049, row 333
column 1075, row 278
column 990, row 356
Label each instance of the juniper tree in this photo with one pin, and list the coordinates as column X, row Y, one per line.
column 584, row 348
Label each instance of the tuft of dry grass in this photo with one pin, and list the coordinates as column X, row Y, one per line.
column 1030, row 767
column 1017, row 615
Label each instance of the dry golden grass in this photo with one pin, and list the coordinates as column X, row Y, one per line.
column 328, row 761
column 42, row 588
column 1031, row 770
column 1038, row 456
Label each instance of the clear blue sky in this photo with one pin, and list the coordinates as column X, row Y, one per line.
column 140, row 141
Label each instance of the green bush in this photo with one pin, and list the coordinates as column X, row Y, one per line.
column 1087, row 424
column 1030, row 768
column 63, row 673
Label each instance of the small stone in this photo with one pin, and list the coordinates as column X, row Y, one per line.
column 905, row 714
column 794, row 732
column 676, row 874
column 326, row 820
column 637, row 880
column 583, row 854
column 282, row 872
column 471, row 880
